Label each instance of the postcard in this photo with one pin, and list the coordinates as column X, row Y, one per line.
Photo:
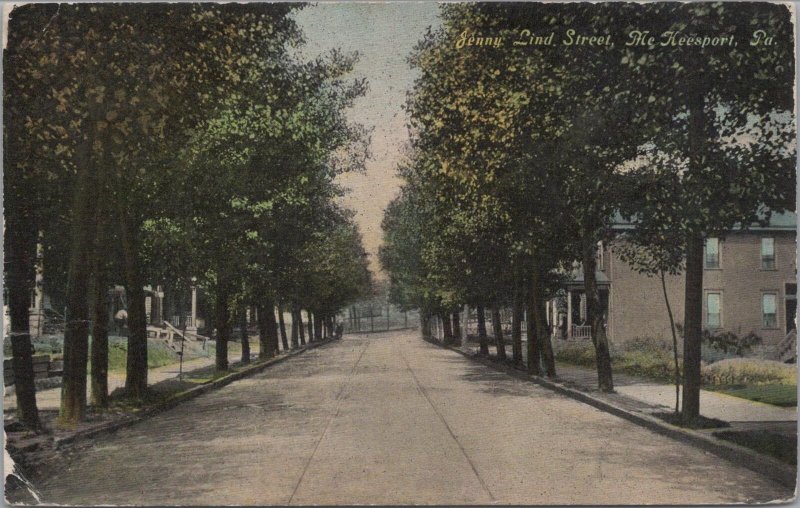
column 399, row 253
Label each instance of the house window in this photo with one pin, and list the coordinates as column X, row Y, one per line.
column 769, row 310
column 712, row 253
column 767, row 253
column 713, row 310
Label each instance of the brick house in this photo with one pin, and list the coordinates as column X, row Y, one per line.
column 749, row 284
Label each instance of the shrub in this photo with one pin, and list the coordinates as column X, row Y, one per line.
column 730, row 342
column 576, row 354
column 749, row 371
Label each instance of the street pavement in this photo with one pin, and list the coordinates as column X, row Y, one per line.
column 389, row 419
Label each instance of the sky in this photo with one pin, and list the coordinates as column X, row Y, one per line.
column 384, row 34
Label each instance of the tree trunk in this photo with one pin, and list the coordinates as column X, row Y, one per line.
column 266, row 315
column 448, row 331
column 674, row 343
column 272, row 322
column 99, row 349
column 534, row 353
column 457, row 329
column 76, row 330
column 483, row 338
column 516, row 328
column 300, row 327
column 425, row 324
column 497, row 328
column 317, row 326
column 282, row 326
column 295, row 331
column 245, row 338
column 310, row 326
column 264, row 349
column 223, row 323
column 692, row 329
column 20, row 252
column 136, row 367
column 545, row 345
column 594, row 316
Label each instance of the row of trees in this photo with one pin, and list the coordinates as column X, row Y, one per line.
column 522, row 156
column 161, row 142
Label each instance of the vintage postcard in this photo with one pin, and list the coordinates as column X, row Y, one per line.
column 399, row 253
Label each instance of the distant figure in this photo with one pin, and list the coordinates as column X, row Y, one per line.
column 339, row 330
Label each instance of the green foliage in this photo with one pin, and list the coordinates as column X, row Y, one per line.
column 642, row 357
column 749, row 371
column 728, row 341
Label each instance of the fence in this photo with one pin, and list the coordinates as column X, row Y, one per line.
column 377, row 317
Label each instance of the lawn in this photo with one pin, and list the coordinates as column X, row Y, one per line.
column 777, row 395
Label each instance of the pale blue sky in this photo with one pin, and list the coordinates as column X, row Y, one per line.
column 384, row 34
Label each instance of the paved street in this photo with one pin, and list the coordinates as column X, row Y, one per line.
column 388, row 418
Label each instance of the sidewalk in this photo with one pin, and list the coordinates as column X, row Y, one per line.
column 648, row 396
column 50, row 399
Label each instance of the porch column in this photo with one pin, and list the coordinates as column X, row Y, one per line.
column 569, row 314
column 583, row 307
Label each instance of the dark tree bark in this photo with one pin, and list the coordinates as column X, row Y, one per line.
column 136, row 368
column 310, row 326
column 497, row 328
column 245, row 337
column 295, row 331
column 99, row 349
column 693, row 297
column 540, row 321
column 516, row 328
column 534, row 352
column 223, row 323
column 446, row 326
column 300, row 327
column 594, row 316
column 457, row 328
column 282, row 326
column 20, row 255
column 483, row 337
column 425, row 325
column 76, row 331
column 268, row 328
column 317, row 326
column 692, row 329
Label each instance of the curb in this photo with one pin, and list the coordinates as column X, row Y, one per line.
column 184, row 396
column 783, row 473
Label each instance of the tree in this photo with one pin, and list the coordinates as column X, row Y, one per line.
column 728, row 109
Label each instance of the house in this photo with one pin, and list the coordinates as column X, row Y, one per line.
column 749, row 285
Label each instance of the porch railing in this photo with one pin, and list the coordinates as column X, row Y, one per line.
column 581, row 332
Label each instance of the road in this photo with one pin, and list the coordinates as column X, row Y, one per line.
column 389, row 419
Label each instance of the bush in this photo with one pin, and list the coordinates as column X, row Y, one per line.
column 576, row 354
column 730, row 342
column 749, row 371
column 641, row 357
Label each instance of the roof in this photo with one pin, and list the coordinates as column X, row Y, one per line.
column 786, row 221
